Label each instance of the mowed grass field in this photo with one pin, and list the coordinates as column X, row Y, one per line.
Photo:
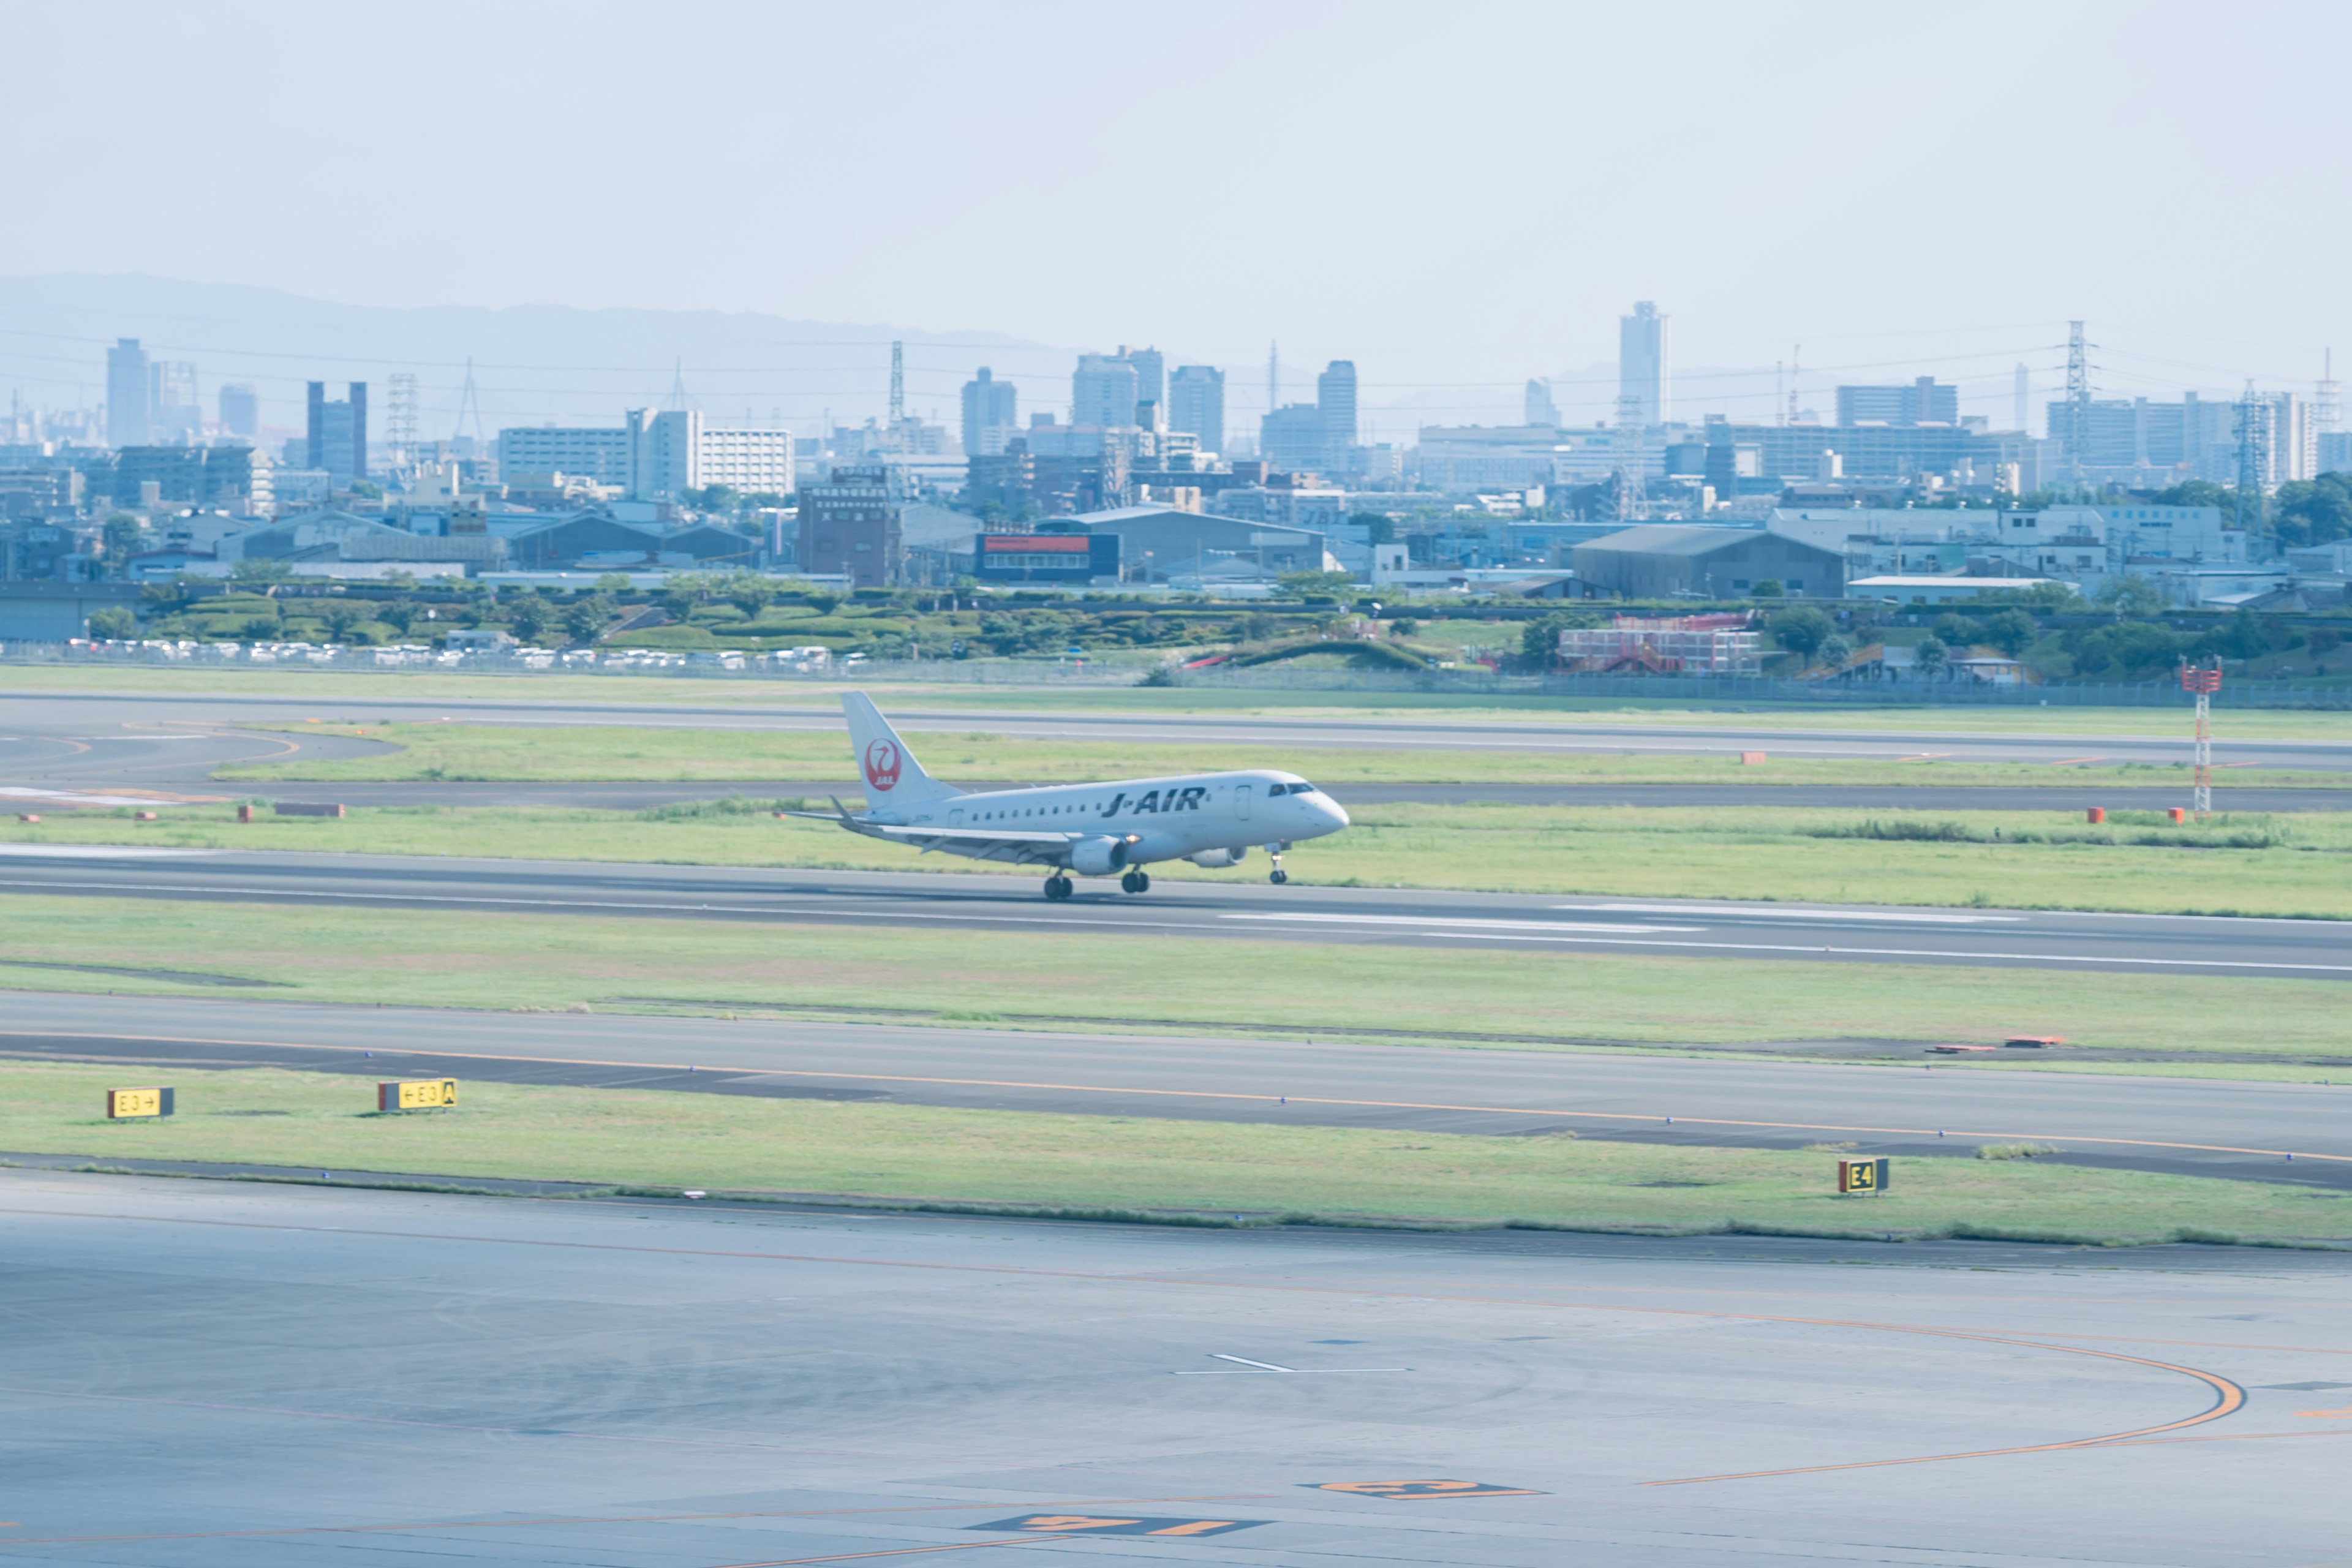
column 347, row 693
column 2138, row 862
column 1118, row 1165
column 612, row 752
column 1130, row 983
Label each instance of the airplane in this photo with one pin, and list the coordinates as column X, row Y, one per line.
column 1093, row 829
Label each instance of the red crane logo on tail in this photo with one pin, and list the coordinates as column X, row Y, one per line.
column 881, row 765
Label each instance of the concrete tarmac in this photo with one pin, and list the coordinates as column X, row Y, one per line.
column 2202, row 1127
column 208, row 1376
column 2300, row 949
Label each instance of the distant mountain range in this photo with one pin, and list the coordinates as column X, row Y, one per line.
column 532, row 363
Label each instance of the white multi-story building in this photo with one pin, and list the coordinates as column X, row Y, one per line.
column 655, row 454
column 599, row 453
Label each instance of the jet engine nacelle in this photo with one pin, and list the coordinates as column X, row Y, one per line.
column 1098, row 857
column 1214, row 859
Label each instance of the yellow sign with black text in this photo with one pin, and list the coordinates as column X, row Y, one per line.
column 1861, row 1175
column 417, row 1094
column 134, row 1104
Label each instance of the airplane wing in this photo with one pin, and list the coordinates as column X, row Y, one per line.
column 980, row 844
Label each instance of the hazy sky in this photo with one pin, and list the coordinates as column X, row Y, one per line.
column 1448, row 194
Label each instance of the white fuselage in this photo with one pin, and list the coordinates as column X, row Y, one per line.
column 1153, row 819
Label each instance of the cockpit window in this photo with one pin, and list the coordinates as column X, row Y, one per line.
column 1274, row 789
column 1302, row 787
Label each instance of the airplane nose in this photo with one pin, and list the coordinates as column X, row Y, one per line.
column 1339, row 813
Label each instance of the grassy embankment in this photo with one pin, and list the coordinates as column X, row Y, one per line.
column 349, row 689
column 1546, row 999
column 1120, row 1165
column 2138, row 862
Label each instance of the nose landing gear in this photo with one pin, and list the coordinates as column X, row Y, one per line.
column 1277, row 876
column 1135, row 882
column 1057, row 886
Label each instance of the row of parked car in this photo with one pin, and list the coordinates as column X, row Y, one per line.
column 798, row 660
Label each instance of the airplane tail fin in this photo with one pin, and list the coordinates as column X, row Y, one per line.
column 891, row 774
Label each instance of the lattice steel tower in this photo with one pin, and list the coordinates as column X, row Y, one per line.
column 2078, row 399
column 2253, row 461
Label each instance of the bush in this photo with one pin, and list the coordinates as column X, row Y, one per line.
column 2012, row 631
column 1771, row 588
column 1802, row 631
column 113, row 621
column 2128, row 651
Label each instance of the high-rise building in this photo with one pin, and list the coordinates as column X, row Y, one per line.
column 1541, row 409
column 1335, row 399
column 1196, row 403
column 128, row 394
column 240, row 409
column 1151, row 375
column 339, row 439
column 991, row 415
column 1291, row 438
column 174, row 412
column 1104, row 391
column 1642, row 373
column 1925, row 401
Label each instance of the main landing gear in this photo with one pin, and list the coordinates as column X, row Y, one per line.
column 1277, row 876
column 1135, row 882
column 1057, row 886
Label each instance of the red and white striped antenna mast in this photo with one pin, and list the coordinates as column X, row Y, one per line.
column 2202, row 681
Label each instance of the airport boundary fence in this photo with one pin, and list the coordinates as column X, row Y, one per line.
column 1732, row 690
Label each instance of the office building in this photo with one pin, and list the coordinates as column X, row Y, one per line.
column 1196, row 405
column 1925, row 401
column 1335, row 401
column 128, row 392
column 240, row 410
column 1641, row 372
column 338, row 431
column 1291, row 438
column 174, row 412
column 1104, row 391
column 850, row 526
column 1541, row 409
column 747, row 462
column 599, row 453
column 2137, row 441
column 991, row 415
column 654, row 455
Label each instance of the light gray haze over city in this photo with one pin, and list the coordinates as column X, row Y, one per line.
column 1454, row 198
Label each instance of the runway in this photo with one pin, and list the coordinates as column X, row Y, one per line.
column 2202, row 1127
column 207, row 1375
column 1909, row 735
column 2144, row 944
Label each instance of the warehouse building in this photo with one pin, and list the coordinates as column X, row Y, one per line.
column 1657, row 561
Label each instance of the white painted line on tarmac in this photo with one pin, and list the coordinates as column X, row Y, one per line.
column 1264, row 1368
column 1777, row 914
column 1464, row 921
column 98, row 851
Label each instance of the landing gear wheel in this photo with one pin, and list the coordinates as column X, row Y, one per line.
column 1057, row 886
column 1135, row 882
column 1277, row 877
